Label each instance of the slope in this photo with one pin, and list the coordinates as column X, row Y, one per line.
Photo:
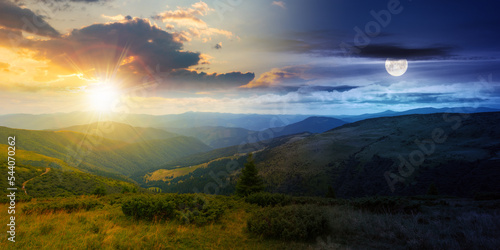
column 403, row 155
column 457, row 152
column 216, row 137
column 312, row 125
column 100, row 155
column 121, row 132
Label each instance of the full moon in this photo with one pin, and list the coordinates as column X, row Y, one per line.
column 396, row 67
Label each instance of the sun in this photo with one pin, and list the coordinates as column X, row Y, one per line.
column 102, row 97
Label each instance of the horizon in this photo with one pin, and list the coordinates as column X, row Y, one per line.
column 285, row 114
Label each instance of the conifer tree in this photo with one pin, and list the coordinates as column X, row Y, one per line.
column 249, row 181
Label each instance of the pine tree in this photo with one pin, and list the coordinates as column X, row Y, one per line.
column 249, row 182
column 330, row 193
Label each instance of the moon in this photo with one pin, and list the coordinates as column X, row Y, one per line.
column 396, row 67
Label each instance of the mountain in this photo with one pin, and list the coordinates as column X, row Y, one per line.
column 387, row 113
column 219, row 137
column 216, row 137
column 457, row 152
column 103, row 156
column 122, row 132
column 255, row 122
column 311, row 125
column 402, row 155
column 185, row 120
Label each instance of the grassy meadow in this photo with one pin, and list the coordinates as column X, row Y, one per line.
column 91, row 222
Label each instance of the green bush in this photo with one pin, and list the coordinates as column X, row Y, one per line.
column 187, row 208
column 267, row 199
column 318, row 201
column 66, row 205
column 295, row 222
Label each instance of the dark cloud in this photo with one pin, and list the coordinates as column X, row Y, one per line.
column 395, row 51
column 312, row 88
column 200, row 81
column 16, row 18
column 218, row 46
column 309, row 89
column 10, row 38
column 134, row 45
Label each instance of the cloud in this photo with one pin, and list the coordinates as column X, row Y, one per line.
column 278, row 75
column 115, row 18
column 4, row 67
column 133, row 44
column 186, row 16
column 279, row 4
column 187, row 22
column 396, row 51
column 16, row 18
column 201, row 81
column 218, row 46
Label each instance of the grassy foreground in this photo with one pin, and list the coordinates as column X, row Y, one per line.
column 109, row 228
column 438, row 223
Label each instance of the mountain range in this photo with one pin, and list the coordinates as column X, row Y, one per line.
column 402, row 155
column 253, row 122
column 391, row 155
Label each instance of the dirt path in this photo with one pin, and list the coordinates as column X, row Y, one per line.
column 24, row 183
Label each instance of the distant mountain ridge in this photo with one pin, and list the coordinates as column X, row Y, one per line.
column 420, row 111
column 315, row 124
column 254, row 122
column 219, row 137
column 185, row 120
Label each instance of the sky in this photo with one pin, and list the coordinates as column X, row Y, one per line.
column 318, row 57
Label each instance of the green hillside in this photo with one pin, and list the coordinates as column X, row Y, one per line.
column 100, row 155
column 363, row 158
column 31, row 158
column 48, row 182
column 217, row 137
column 354, row 158
column 122, row 132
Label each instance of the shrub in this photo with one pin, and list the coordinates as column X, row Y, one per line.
column 295, row 222
column 100, row 191
column 187, row 208
column 66, row 205
column 330, row 193
column 267, row 199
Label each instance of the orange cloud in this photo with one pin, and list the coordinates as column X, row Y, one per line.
column 277, row 76
column 189, row 23
column 279, row 4
column 4, row 67
column 186, row 16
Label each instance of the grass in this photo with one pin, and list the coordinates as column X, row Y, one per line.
column 442, row 223
column 170, row 174
column 109, row 228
